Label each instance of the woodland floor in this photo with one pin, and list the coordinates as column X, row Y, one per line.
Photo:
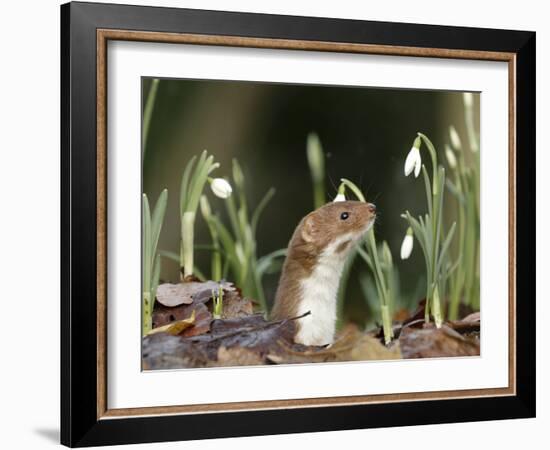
column 185, row 334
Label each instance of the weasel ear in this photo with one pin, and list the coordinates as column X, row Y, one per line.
column 308, row 230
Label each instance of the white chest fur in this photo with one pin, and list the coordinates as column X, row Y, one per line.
column 319, row 292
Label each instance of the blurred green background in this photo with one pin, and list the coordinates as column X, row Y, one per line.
column 366, row 134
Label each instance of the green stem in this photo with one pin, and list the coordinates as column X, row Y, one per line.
column 381, row 285
column 148, row 112
column 386, row 324
column 316, row 161
column 353, row 187
column 433, row 155
column 457, row 280
column 318, row 194
column 147, row 316
column 187, row 235
column 234, row 218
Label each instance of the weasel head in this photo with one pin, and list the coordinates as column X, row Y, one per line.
column 335, row 228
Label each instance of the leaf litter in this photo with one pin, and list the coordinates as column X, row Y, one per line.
column 186, row 335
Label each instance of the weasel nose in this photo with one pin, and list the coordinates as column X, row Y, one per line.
column 372, row 208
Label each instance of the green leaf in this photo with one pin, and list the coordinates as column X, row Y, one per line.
column 146, row 241
column 199, row 274
column 455, row 191
column 366, row 257
column 419, row 230
column 233, row 217
column 198, row 184
column 260, row 208
column 155, row 280
column 445, row 247
column 170, row 255
column 428, row 189
column 198, row 169
column 227, row 242
column 148, row 113
column 158, row 219
column 269, row 263
column 185, row 184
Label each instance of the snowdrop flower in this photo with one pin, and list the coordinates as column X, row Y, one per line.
column 340, row 198
column 413, row 161
column 220, row 187
column 407, row 245
column 468, row 98
column 451, row 158
column 341, row 195
column 455, row 138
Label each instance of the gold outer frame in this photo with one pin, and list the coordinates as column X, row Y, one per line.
column 105, row 35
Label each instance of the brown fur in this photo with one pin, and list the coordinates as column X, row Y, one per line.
column 312, row 235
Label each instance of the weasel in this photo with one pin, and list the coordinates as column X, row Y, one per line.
column 311, row 272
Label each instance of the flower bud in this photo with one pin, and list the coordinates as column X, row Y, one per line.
column 221, row 188
column 340, row 198
column 407, row 245
column 413, row 162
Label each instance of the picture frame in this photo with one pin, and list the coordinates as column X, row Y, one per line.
column 86, row 29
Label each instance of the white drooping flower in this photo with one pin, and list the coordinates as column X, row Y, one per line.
column 221, row 188
column 340, row 198
column 407, row 245
column 455, row 138
column 468, row 98
column 451, row 158
column 413, row 162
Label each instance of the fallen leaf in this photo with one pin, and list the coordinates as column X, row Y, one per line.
column 431, row 342
column 350, row 345
column 252, row 333
column 185, row 293
column 163, row 351
column 472, row 318
column 469, row 324
column 238, row 356
column 368, row 348
column 235, row 306
column 202, row 321
column 176, row 327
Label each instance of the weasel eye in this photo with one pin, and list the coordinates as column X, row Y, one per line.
column 344, row 215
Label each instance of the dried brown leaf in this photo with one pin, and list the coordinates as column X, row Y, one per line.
column 163, row 315
column 431, row 342
column 235, row 306
column 469, row 324
column 368, row 348
column 185, row 293
column 238, row 356
column 202, row 321
column 176, row 327
column 351, row 345
column 252, row 333
column 162, row 351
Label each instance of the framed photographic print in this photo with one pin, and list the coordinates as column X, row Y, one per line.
column 282, row 224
